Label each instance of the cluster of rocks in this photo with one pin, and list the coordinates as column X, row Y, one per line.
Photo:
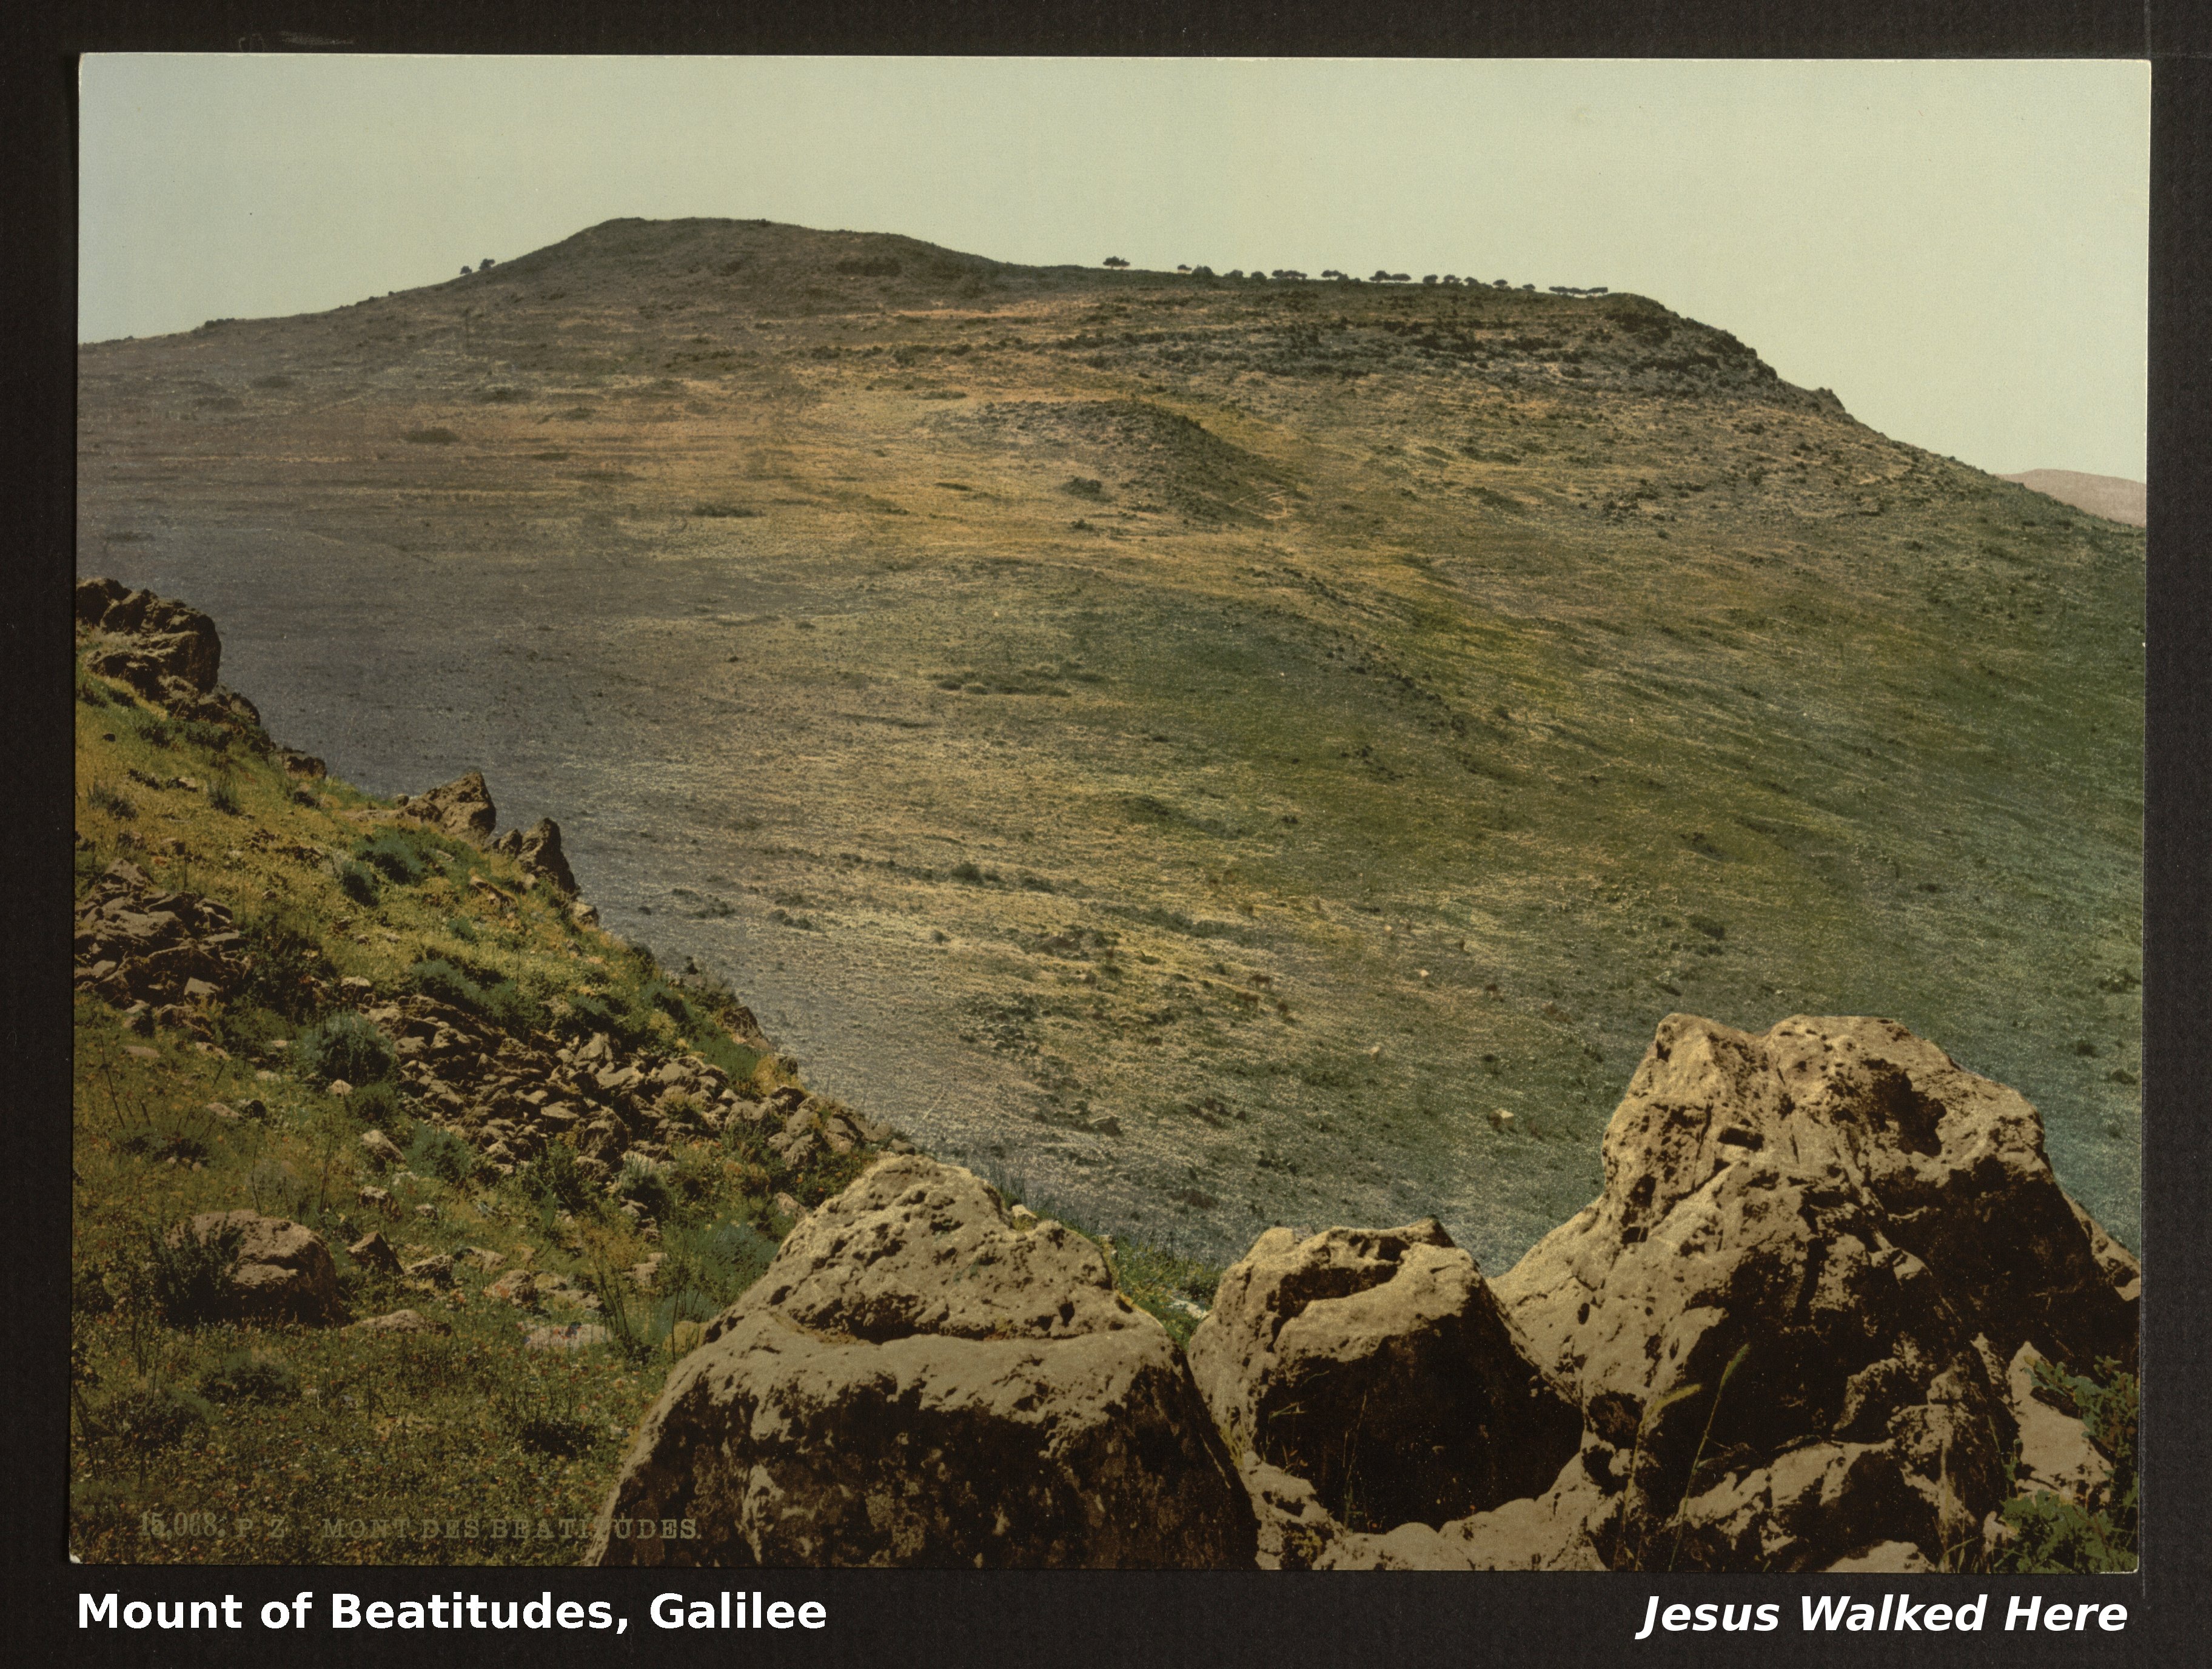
column 464, row 809
column 1797, row 1331
column 151, row 950
column 166, row 650
column 511, row 1094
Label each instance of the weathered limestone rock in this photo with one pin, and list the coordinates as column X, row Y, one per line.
column 462, row 809
column 916, row 1382
column 283, row 1271
column 537, row 851
column 1838, row 1237
column 1374, row 1364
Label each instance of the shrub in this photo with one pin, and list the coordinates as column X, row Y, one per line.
column 359, row 882
column 545, row 1417
column 553, row 1178
column 146, row 1417
column 90, row 692
column 280, row 955
column 504, row 1003
column 188, row 1275
column 106, row 797
column 648, row 1188
column 462, row 928
column 392, row 854
column 346, row 1046
column 441, row 1153
column 222, row 795
column 247, row 1376
column 378, row 1103
column 2049, row 1534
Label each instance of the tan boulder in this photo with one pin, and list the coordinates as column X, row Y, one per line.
column 284, row 1272
column 1375, row 1364
column 1788, row 1313
column 916, row 1382
column 461, row 807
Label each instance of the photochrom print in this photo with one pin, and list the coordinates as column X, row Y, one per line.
column 1108, row 813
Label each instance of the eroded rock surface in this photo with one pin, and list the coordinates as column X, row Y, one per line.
column 1853, row 1233
column 462, row 809
column 167, row 651
column 1374, row 1364
column 915, row 1381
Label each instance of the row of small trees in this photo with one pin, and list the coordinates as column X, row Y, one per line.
column 1381, row 275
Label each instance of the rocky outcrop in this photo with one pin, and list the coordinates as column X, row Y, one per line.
column 283, row 1271
column 1374, row 1365
column 915, row 1381
column 1798, row 1331
column 462, row 809
column 511, row 1093
column 1787, row 1319
column 537, row 851
column 166, row 650
column 136, row 942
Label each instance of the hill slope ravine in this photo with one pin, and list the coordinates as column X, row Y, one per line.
column 1203, row 747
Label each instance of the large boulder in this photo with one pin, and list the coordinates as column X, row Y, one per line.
column 915, row 1381
column 1787, row 1319
column 284, row 1272
column 462, row 809
column 1374, row 1364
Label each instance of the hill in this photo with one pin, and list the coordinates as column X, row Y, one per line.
column 2113, row 497
column 1197, row 746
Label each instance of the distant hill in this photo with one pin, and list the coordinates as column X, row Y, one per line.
column 1199, row 746
column 2113, row 497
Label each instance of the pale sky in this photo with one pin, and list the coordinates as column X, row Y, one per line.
column 1960, row 250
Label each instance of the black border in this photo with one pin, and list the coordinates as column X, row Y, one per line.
column 927, row 1618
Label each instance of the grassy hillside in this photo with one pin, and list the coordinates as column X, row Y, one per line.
column 197, row 1438
column 1198, row 746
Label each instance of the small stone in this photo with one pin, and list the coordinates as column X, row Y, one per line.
column 1500, row 1119
column 571, row 1336
column 399, row 1321
column 340, row 1087
column 372, row 1251
column 381, row 1147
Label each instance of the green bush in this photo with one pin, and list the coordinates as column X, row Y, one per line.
column 247, row 1376
column 346, row 1046
column 281, row 957
column 544, row 1417
column 151, row 1416
column 359, row 882
column 503, row 1002
column 378, row 1103
column 2048, row 1534
column 648, row 1188
column 222, row 795
column 187, row 1275
column 392, row 854
column 554, row 1179
column 106, row 797
column 441, row 1153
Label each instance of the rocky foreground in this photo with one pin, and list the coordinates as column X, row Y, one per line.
column 1796, row 1333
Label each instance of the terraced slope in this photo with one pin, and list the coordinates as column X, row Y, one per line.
column 1202, row 746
